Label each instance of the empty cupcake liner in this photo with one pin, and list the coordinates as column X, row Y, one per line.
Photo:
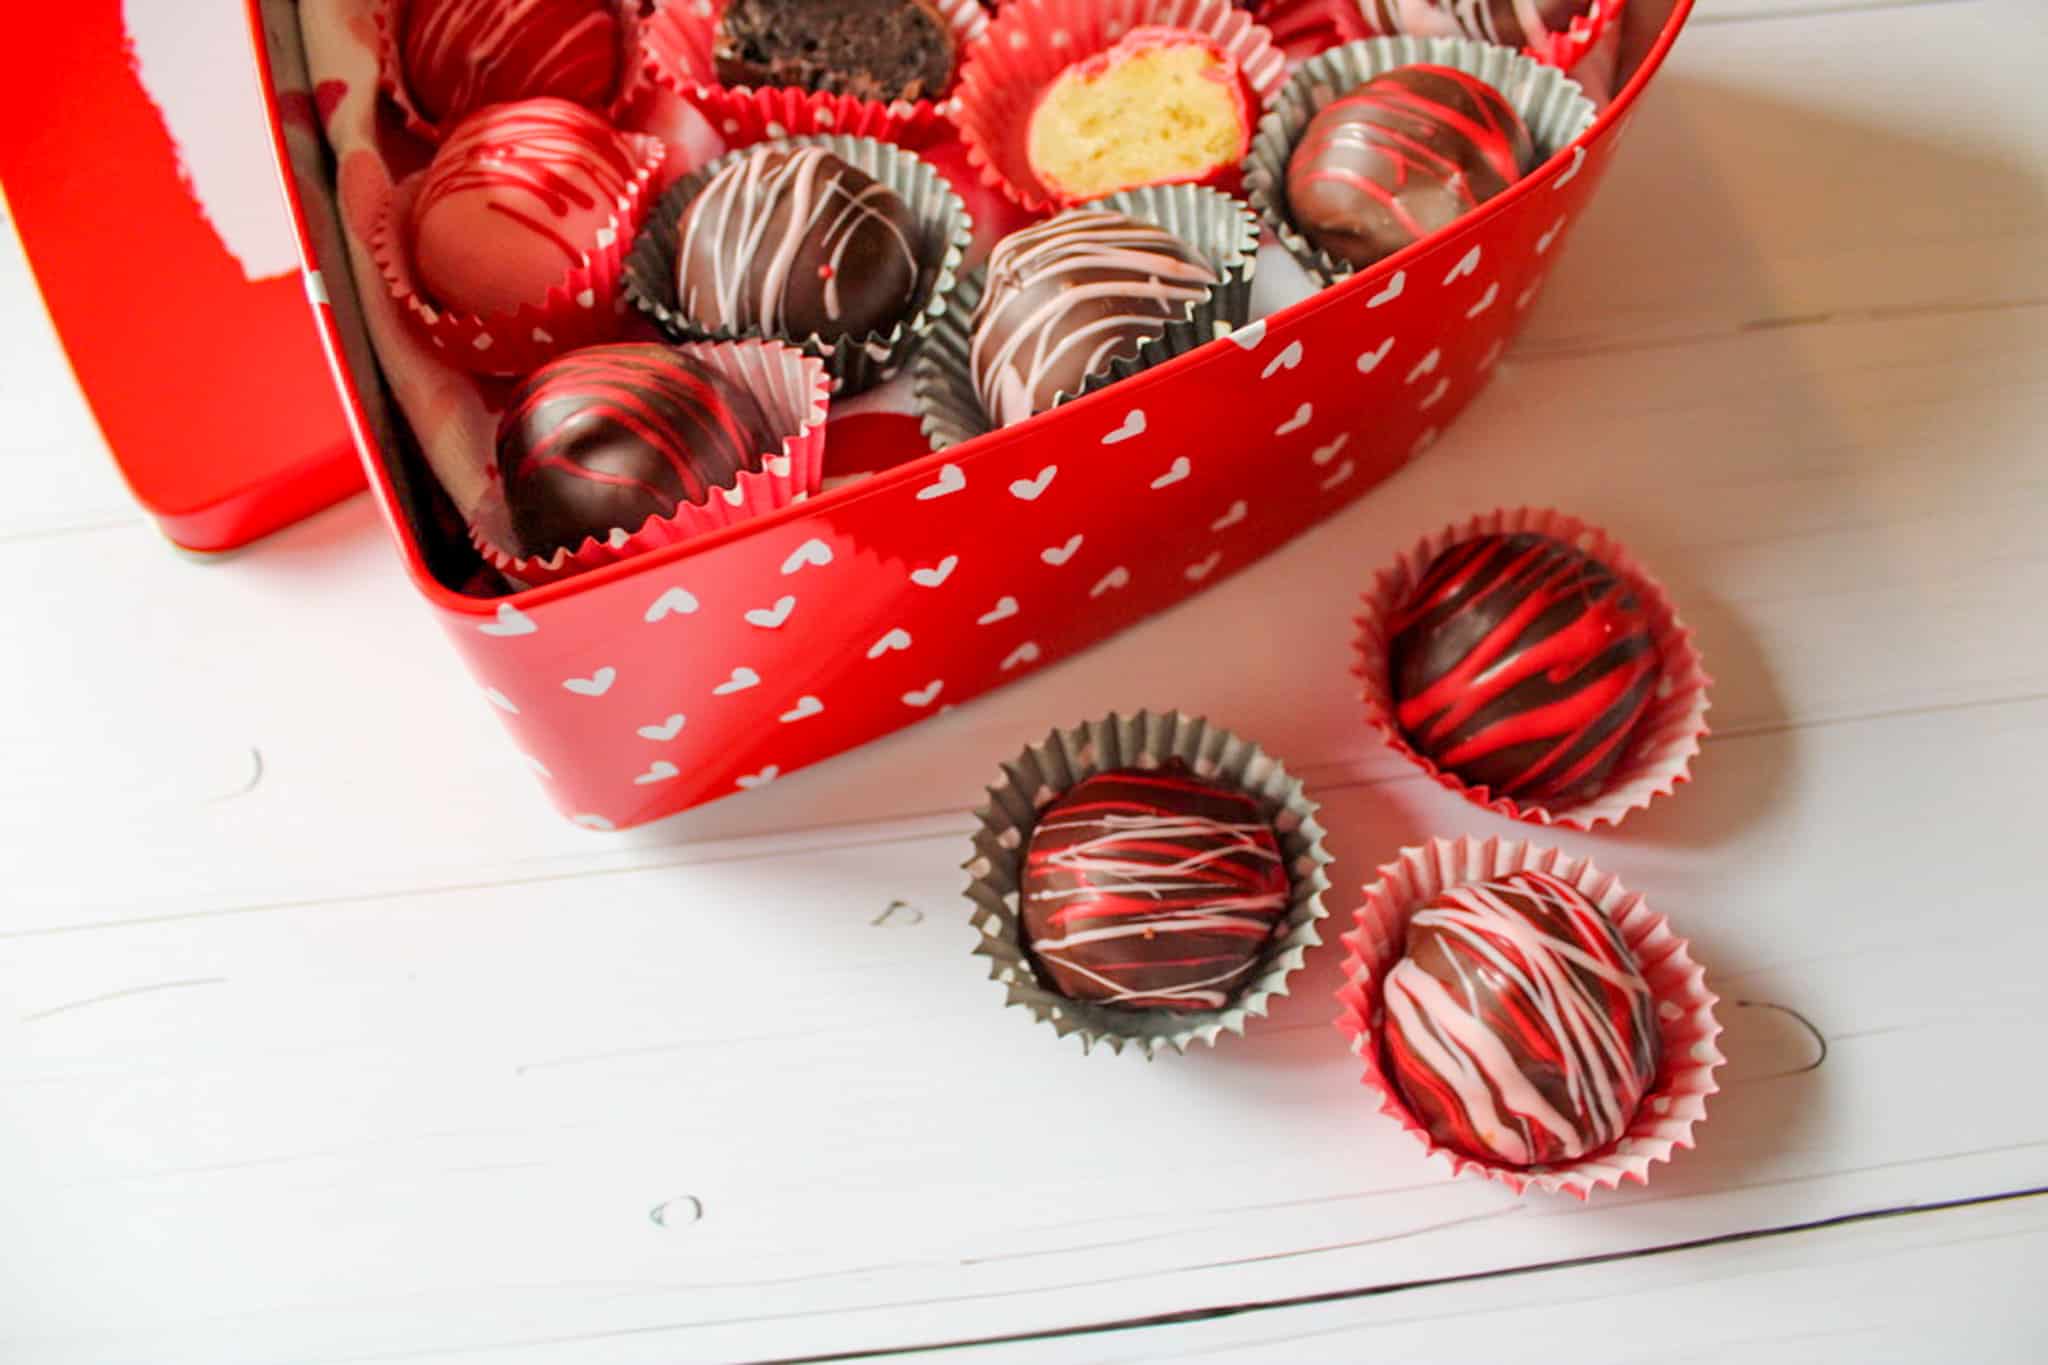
column 1666, row 737
column 677, row 50
column 1042, row 772
column 1687, row 1028
column 583, row 309
column 391, row 77
column 793, row 392
column 855, row 363
column 1559, row 47
column 1032, row 41
column 1210, row 221
column 1556, row 111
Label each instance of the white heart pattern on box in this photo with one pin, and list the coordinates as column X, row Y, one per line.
column 661, row 770
column 926, row 695
column 1232, row 517
column 813, row 551
column 1339, row 475
column 1003, row 610
column 1391, row 292
column 1027, row 490
column 1026, row 653
column 806, row 706
column 950, row 480
column 596, row 685
column 1201, row 569
column 1057, row 555
column 1485, row 301
column 1465, row 266
column 1119, row 577
column 759, row 779
column 937, row 574
column 1435, row 395
column 1289, row 357
column 1322, row 455
column 501, row 701
column 1295, row 423
column 1178, row 470
column 1549, row 236
column 511, row 621
column 740, row 681
column 896, row 638
column 1426, row 365
column 771, row 618
column 680, row 601
column 1133, row 425
column 667, row 730
column 1368, row 361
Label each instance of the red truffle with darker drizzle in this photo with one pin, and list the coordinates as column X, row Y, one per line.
column 1151, row 889
column 461, row 55
column 517, row 198
column 1403, row 155
column 1522, row 665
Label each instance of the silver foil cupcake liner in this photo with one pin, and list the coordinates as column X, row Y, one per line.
column 1211, row 222
column 1553, row 106
column 855, row 363
column 1046, row 770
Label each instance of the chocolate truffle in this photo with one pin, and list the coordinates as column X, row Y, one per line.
column 518, row 196
column 1400, row 157
column 793, row 242
column 601, row 439
column 460, row 55
column 1151, row 890
column 870, row 49
column 1518, row 1026
column 1521, row 665
column 1162, row 105
column 1066, row 297
column 1509, row 23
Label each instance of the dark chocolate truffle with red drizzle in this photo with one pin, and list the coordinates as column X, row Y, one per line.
column 1151, row 889
column 1507, row 23
column 518, row 196
column 1518, row 1027
column 793, row 242
column 460, row 55
column 1401, row 156
column 1521, row 665
column 601, row 439
column 869, row 49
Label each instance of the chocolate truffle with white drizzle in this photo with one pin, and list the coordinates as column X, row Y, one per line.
column 1151, row 890
column 1066, row 296
column 792, row 242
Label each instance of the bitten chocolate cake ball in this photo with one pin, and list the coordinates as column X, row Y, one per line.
column 460, row 55
column 1152, row 890
column 870, row 49
column 603, row 438
column 1518, row 1026
column 793, row 242
column 516, row 198
column 1521, row 665
column 1401, row 156
column 1066, row 297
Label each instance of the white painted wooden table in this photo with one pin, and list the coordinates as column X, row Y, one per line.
column 322, row 1039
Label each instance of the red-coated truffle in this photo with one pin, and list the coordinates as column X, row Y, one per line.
column 517, row 197
column 460, row 55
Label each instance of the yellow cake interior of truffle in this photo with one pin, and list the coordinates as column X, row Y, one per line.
column 1168, row 113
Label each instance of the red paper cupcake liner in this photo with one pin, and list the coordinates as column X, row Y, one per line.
column 676, row 45
column 1666, row 737
column 1686, row 1024
column 391, row 68
column 585, row 308
column 1032, row 41
column 1426, row 18
column 793, row 390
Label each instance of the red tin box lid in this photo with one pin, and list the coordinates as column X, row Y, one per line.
column 188, row 329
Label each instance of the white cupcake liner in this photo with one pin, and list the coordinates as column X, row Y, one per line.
column 1046, row 770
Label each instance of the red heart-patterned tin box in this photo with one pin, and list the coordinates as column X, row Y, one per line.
column 712, row 666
